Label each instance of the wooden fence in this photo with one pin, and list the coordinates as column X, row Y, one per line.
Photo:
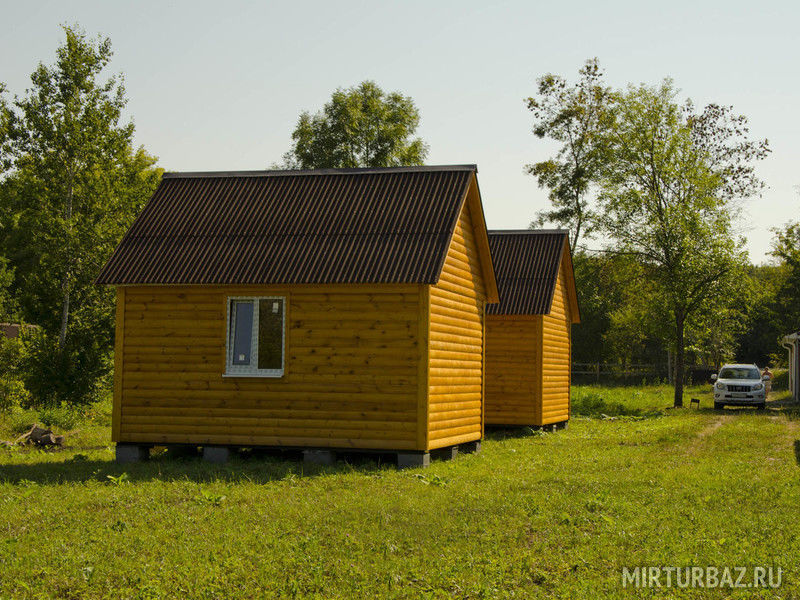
column 616, row 373
column 630, row 374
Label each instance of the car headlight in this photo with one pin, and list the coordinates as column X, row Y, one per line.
column 757, row 386
column 720, row 386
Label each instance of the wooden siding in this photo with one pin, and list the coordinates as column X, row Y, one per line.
column 528, row 363
column 352, row 368
column 457, row 301
column 513, row 370
column 556, row 353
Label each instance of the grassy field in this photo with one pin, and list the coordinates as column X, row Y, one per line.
column 553, row 515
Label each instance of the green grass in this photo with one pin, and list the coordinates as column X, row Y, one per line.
column 554, row 515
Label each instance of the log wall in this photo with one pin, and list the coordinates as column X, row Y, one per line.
column 556, row 354
column 457, row 302
column 352, row 364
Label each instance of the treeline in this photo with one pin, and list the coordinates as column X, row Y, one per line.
column 620, row 327
column 651, row 189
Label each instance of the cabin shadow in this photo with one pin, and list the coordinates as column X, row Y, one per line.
column 507, row 432
column 247, row 466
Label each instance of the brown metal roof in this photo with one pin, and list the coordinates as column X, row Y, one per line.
column 526, row 264
column 388, row 225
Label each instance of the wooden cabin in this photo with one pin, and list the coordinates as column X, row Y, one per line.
column 319, row 310
column 528, row 333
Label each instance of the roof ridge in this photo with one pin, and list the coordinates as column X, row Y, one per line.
column 142, row 236
column 305, row 172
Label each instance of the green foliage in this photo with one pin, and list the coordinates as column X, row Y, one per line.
column 206, row 497
column 592, row 403
column 20, row 420
column 757, row 340
column 76, row 374
column 661, row 181
column 362, row 126
column 7, row 305
column 74, row 184
column 63, row 417
column 578, row 117
column 12, row 389
column 786, row 248
column 617, row 325
column 667, row 200
column 12, row 393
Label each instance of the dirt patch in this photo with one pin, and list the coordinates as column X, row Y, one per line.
column 702, row 435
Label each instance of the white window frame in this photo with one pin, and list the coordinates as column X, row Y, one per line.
column 252, row 370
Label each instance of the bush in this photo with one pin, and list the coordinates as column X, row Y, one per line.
column 64, row 417
column 76, row 375
column 12, row 389
column 21, row 420
column 12, row 394
column 592, row 403
column 780, row 381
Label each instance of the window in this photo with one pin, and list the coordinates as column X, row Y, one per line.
column 740, row 373
column 255, row 337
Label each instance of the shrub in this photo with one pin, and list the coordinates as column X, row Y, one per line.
column 64, row 417
column 76, row 375
column 12, row 389
column 21, row 420
column 780, row 381
column 591, row 403
column 12, row 394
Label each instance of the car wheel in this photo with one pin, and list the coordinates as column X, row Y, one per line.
column 718, row 406
column 761, row 406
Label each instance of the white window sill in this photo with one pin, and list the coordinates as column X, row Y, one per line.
column 270, row 375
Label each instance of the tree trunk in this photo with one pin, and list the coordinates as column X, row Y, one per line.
column 62, row 334
column 65, row 281
column 679, row 355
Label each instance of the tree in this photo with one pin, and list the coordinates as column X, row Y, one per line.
column 600, row 282
column 668, row 199
column 786, row 248
column 577, row 116
column 360, row 127
column 762, row 325
column 73, row 184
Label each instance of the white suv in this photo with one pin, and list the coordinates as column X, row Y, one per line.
column 739, row 385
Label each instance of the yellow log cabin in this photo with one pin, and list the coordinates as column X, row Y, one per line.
column 319, row 310
column 528, row 334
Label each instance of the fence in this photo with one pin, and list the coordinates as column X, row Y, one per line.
column 633, row 374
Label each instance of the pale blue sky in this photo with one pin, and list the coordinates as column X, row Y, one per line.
column 219, row 85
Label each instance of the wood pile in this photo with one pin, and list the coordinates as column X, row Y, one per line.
column 38, row 436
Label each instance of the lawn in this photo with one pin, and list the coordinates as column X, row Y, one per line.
column 554, row 515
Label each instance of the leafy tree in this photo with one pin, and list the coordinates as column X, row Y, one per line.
column 600, row 280
column 757, row 339
column 638, row 324
column 360, row 127
column 786, row 247
column 6, row 301
column 667, row 199
column 577, row 116
column 73, row 184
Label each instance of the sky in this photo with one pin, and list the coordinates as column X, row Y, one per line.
column 219, row 85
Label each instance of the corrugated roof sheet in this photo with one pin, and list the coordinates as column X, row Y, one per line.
column 388, row 225
column 526, row 265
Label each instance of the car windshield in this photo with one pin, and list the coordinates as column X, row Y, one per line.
column 739, row 373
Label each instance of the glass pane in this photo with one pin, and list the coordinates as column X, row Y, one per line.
column 270, row 334
column 241, row 332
